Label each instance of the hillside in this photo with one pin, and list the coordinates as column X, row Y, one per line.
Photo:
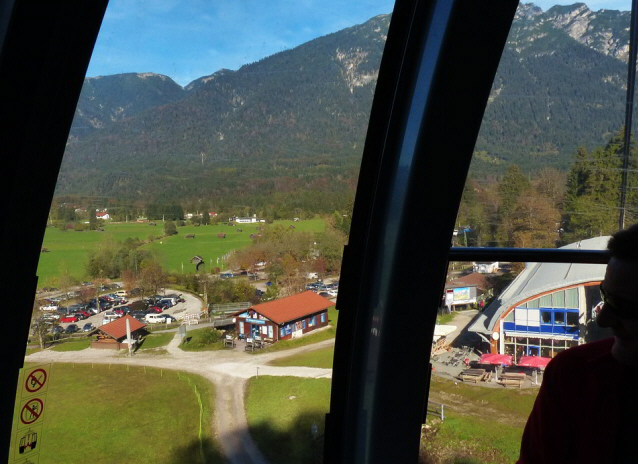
column 295, row 122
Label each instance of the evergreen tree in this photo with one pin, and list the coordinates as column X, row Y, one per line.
column 92, row 218
column 170, row 228
column 205, row 218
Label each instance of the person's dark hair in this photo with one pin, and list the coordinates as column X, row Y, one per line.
column 624, row 244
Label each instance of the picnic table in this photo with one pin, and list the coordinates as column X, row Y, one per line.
column 475, row 375
column 513, row 379
column 229, row 342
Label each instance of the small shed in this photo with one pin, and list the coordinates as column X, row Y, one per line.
column 285, row 318
column 113, row 335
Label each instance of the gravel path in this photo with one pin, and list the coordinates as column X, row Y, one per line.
column 227, row 370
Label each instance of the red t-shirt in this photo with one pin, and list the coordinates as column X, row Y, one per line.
column 584, row 411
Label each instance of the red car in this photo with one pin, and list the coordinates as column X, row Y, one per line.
column 84, row 313
column 68, row 319
column 155, row 309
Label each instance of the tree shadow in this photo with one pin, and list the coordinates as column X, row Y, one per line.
column 206, row 452
column 301, row 443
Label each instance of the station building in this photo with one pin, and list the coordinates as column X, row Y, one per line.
column 547, row 308
column 285, row 318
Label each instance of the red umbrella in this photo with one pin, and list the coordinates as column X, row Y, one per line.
column 533, row 361
column 496, row 359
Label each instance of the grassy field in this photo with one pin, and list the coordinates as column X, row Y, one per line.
column 206, row 339
column 445, row 318
column 482, row 425
column 281, row 412
column 72, row 344
column 333, row 316
column 104, row 415
column 153, row 341
column 68, row 250
column 318, row 358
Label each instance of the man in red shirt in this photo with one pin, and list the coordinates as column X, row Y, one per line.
column 587, row 408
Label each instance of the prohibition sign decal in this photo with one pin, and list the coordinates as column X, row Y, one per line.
column 31, row 411
column 35, row 380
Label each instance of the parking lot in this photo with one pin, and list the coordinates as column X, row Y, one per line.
column 190, row 305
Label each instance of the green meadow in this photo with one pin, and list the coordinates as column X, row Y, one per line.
column 481, row 424
column 68, row 250
column 105, row 414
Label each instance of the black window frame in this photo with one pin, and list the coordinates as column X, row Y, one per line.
column 435, row 77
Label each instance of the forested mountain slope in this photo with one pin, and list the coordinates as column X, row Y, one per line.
column 295, row 122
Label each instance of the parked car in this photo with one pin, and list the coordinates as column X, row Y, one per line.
column 56, row 329
column 155, row 309
column 122, row 293
column 169, row 319
column 84, row 313
column 49, row 307
column 325, row 294
column 88, row 327
column 139, row 315
column 71, row 328
column 72, row 318
column 80, row 316
column 118, row 311
column 155, row 318
column 51, row 317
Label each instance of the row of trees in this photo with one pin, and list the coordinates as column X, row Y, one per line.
column 551, row 208
column 514, row 212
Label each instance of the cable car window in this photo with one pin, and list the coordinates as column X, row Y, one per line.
column 546, row 170
column 498, row 339
column 206, row 189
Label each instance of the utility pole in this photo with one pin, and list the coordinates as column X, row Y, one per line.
column 629, row 108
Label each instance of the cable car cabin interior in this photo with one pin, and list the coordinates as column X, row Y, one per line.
column 435, row 79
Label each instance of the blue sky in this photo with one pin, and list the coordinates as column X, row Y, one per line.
column 188, row 39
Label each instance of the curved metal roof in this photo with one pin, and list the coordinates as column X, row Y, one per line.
column 538, row 278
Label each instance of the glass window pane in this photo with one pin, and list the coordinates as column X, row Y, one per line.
column 571, row 298
column 533, row 303
column 509, row 317
column 558, row 299
column 546, row 301
column 572, row 319
column 546, row 352
column 546, row 317
column 559, row 318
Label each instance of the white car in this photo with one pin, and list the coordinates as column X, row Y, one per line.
column 50, row 307
column 155, row 318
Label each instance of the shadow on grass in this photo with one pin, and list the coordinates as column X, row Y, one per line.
column 194, row 453
column 294, row 445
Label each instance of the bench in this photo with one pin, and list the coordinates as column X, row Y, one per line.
column 512, row 383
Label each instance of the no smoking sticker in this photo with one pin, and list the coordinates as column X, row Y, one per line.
column 31, row 412
column 35, row 380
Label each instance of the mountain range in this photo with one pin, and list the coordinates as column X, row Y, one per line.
column 289, row 129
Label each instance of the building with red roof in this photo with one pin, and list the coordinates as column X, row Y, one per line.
column 113, row 334
column 285, row 318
